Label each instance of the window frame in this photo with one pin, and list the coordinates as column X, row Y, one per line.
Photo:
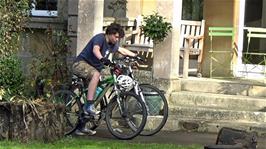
column 42, row 13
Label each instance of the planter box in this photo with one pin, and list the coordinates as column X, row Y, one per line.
column 27, row 121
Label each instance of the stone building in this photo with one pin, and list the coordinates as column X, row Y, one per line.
column 81, row 19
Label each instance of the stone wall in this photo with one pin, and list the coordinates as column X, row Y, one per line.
column 24, row 122
column 166, row 85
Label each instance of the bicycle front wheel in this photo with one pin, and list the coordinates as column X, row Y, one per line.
column 157, row 108
column 126, row 117
column 72, row 110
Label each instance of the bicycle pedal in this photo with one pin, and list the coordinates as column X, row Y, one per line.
column 92, row 117
column 118, row 130
column 96, row 117
column 88, row 116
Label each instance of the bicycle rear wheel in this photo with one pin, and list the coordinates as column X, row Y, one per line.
column 126, row 120
column 72, row 111
column 157, row 109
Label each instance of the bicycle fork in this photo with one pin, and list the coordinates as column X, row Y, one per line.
column 139, row 92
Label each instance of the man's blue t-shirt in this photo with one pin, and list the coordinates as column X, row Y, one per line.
column 105, row 48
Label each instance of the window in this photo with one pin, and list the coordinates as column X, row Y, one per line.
column 44, row 8
column 192, row 10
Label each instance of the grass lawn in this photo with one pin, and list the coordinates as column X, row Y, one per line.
column 80, row 143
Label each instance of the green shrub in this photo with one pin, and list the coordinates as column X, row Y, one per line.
column 11, row 76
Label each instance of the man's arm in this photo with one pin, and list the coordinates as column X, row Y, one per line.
column 97, row 52
column 126, row 52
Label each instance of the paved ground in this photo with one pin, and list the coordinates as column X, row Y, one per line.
column 163, row 137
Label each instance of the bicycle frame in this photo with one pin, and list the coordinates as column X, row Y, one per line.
column 106, row 84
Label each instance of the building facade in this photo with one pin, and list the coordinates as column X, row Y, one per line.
column 81, row 19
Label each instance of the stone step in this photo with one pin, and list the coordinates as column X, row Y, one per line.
column 255, row 88
column 201, row 125
column 187, row 98
column 215, row 114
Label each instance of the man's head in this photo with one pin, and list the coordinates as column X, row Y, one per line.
column 114, row 32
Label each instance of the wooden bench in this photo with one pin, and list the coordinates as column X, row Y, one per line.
column 140, row 44
column 191, row 35
column 133, row 39
column 146, row 52
column 191, row 44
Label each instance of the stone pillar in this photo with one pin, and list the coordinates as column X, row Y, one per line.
column 263, row 25
column 133, row 9
column 85, row 20
column 90, row 21
column 263, row 19
column 166, row 53
column 72, row 25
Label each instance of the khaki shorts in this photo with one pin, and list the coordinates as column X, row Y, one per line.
column 83, row 69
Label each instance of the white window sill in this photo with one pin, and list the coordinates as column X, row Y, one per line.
column 43, row 13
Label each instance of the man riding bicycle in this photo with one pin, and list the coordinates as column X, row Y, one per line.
column 90, row 62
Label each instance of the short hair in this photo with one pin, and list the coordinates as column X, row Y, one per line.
column 114, row 28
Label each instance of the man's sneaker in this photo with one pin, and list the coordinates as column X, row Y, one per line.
column 88, row 131
column 79, row 133
column 84, row 132
column 90, row 110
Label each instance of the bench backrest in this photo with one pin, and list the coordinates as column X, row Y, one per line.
column 191, row 28
column 143, row 45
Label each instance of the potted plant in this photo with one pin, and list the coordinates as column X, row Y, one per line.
column 155, row 27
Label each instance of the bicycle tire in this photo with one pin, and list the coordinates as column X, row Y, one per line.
column 72, row 109
column 157, row 109
column 129, row 124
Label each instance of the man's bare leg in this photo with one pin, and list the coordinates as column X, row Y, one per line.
column 91, row 91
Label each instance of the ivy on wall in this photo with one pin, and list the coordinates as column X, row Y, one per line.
column 14, row 14
column 50, row 66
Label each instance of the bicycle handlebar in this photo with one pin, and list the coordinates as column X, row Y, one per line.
column 128, row 59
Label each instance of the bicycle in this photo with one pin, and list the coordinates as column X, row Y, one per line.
column 124, row 112
column 154, row 99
